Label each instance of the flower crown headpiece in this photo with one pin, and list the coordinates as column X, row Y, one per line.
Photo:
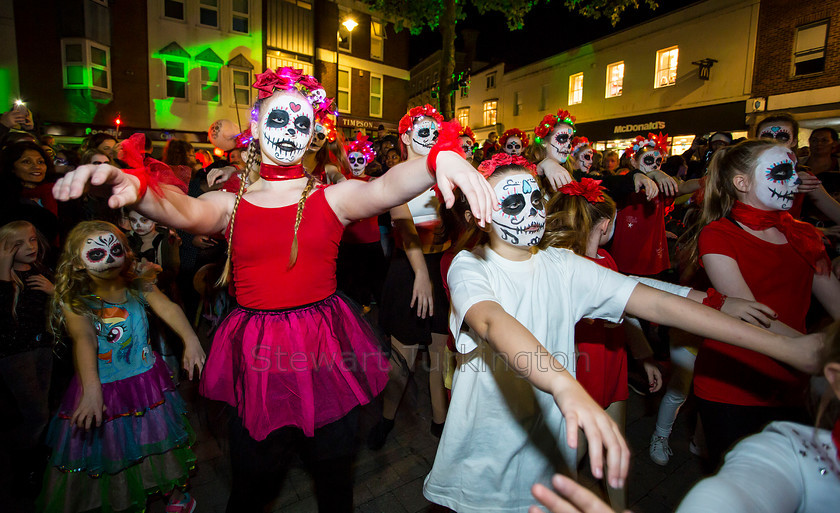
column 288, row 79
column 407, row 121
column 550, row 121
column 656, row 142
column 591, row 190
column 579, row 143
column 362, row 145
column 324, row 119
column 487, row 167
column 515, row 132
column 467, row 131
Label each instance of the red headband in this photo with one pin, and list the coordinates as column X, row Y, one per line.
column 361, row 145
column 591, row 190
column 467, row 131
column 550, row 121
column 579, row 143
column 487, row 167
column 288, row 79
column 656, row 142
column 515, row 132
column 410, row 118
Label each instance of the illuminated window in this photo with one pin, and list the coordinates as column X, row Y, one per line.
column 343, row 89
column 464, row 116
column 240, row 16
column 666, row 67
column 375, row 95
column 809, row 48
column 517, row 103
column 576, row 88
column 490, row 112
column 174, row 9
column 242, row 87
column 377, row 40
column 615, row 79
column 86, row 65
column 491, row 81
column 277, row 59
column 210, row 84
column 176, row 78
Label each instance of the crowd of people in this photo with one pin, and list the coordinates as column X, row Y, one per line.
column 538, row 278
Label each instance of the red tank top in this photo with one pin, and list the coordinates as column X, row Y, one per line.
column 262, row 243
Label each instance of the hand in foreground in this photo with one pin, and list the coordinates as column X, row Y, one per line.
column 194, row 358
column 124, row 188
column 569, row 498
column 808, row 182
column 749, row 311
column 555, row 173
column 91, row 409
column 651, row 189
column 453, row 171
column 219, row 175
column 666, row 182
column 601, row 432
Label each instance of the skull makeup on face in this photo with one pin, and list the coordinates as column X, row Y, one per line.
column 467, row 146
column 285, row 125
column 781, row 132
column 424, row 135
column 513, row 146
column 103, row 253
column 519, row 218
column 648, row 161
column 357, row 163
column 775, row 180
column 318, row 138
column 140, row 224
column 584, row 159
column 559, row 142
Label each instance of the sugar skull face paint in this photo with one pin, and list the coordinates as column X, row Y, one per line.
column 357, row 163
column 467, row 146
column 103, row 253
column 140, row 224
column 649, row 160
column 781, row 132
column 559, row 142
column 318, row 138
column 519, row 218
column 775, row 180
column 584, row 159
column 286, row 126
column 513, row 146
column 424, row 135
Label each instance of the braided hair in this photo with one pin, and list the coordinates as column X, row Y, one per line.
column 252, row 160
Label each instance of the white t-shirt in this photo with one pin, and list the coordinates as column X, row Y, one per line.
column 424, row 207
column 501, row 434
column 786, row 468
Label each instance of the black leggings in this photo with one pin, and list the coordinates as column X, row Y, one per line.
column 725, row 424
column 260, row 467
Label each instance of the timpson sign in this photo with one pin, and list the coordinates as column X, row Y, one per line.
column 642, row 127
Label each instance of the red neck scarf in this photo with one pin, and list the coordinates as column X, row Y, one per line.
column 277, row 173
column 802, row 237
column 835, row 437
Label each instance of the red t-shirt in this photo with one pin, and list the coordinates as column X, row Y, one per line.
column 778, row 277
column 262, row 243
column 639, row 244
column 601, row 353
column 365, row 231
column 42, row 194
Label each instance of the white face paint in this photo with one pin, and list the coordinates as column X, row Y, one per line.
column 285, row 126
column 781, row 132
column 424, row 135
column 519, row 218
column 318, row 138
column 559, row 142
column 649, row 160
column 139, row 224
column 584, row 159
column 513, row 145
column 775, row 180
column 357, row 163
column 467, row 146
column 103, row 253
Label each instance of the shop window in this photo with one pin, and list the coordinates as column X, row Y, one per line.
column 240, row 16
column 375, row 95
column 173, row 9
column 344, row 89
column 666, row 67
column 464, row 116
column 86, row 65
column 491, row 81
column 208, row 13
column 575, row 88
column 242, row 87
column 615, row 79
column 809, row 48
column 210, row 84
column 176, row 78
column 490, row 112
column 377, row 40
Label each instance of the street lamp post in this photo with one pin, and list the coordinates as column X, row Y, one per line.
column 349, row 24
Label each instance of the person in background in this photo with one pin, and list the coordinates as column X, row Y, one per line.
column 101, row 141
column 609, row 165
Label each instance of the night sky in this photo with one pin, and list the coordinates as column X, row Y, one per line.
column 549, row 29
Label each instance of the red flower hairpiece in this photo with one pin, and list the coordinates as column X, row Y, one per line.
column 467, row 131
column 361, row 145
column 327, row 122
column 549, row 121
column 514, row 132
column 656, row 142
column 408, row 120
column 591, row 190
column 288, row 79
column 579, row 143
column 487, row 167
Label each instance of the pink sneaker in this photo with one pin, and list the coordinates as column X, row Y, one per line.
column 185, row 505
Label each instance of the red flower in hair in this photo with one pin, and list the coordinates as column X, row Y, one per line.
column 467, row 131
column 549, row 121
column 514, row 132
column 656, row 142
column 487, row 167
column 578, row 143
column 361, row 145
column 288, row 79
column 326, row 121
column 591, row 190
column 409, row 119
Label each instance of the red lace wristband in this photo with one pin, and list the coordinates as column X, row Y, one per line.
column 448, row 140
column 141, row 175
column 714, row 299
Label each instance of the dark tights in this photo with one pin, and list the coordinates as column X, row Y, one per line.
column 259, row 467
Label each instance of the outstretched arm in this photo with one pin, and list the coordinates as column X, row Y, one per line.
column 90, row 410
column 174, row 317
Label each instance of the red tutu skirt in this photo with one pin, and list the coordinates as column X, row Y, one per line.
column 304, row 367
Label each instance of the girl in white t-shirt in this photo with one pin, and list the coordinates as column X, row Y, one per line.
column 513, row 314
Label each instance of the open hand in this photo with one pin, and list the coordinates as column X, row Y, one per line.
column 807, row 182
column 124, row 188
column 194, row 358
column 555, row 173
column 422, row 296
column 8, row 248
column 570, row 497
column 91, row 409
column 641, row 180
column 666, row 182
column 39, row 282
column 219, row 175
column 453, row 171
column 750, row 311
